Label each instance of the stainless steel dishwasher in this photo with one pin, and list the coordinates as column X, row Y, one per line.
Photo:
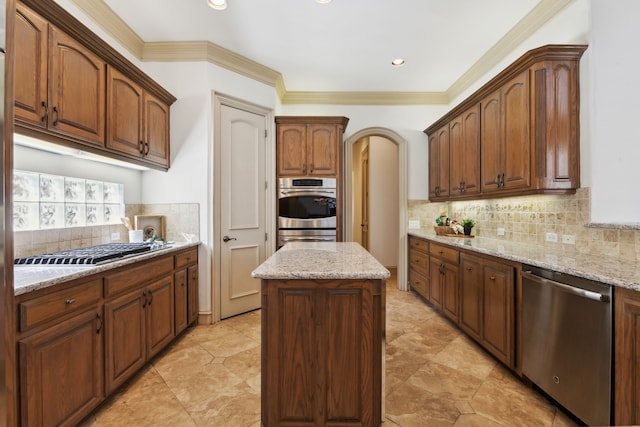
column 566, row 341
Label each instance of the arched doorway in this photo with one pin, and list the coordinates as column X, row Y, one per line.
column 402, row 192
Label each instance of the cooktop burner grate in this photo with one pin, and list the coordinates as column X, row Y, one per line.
column 85, row 256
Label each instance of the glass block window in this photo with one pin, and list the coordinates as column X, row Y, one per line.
column 43, row 201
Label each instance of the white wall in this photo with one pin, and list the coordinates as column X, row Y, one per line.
column 383, row 201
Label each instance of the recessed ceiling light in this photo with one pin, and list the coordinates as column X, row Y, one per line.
column 397, row 62
column 217, row 4
column 323, row 1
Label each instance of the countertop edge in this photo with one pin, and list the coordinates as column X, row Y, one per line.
column 584, row 265
column 84, row 271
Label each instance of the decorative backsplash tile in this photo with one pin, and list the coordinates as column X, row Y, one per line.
column 43, row 201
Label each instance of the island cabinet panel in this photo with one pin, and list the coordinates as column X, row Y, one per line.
column 61, row 371
column 322, row 352
column 627, row 357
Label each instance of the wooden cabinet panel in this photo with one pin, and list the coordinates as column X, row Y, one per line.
column 445, row 253
column 419, row 266
column 491, row 138
column 322, row 148
column 419, row 283
column 125, row 339
column 439, row 164
column 421, row 245
column 192, row 294
column 124, row 104
column 61, row 371
column 292, row 150
column 627, row 357
column 464, row 140
column 450, row 292
column 471, row 295
column 77, row 87
column 419, row 262
column 186, row 258
column 156, row 130
column 31, row 62
column 498, row 311
column 516, row 144
column 180, row 299
column 160, row 315
column 131, row 277
column 435, row 282
column 322, row 358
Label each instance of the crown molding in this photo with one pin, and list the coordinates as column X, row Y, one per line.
column 525, row 28
column 366, row 98
column 109, row 21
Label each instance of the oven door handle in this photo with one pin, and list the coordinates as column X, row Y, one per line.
column 307, row 239
column 306, row 190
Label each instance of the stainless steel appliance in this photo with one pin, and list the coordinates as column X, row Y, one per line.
column 92, row 255
column 307, row 203
column 306, row 235
column 566, row 341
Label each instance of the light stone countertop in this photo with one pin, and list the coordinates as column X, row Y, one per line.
column 31, row 278
column 301, row 260
column 564, row 259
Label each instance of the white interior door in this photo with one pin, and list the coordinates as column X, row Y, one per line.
column 243, row 208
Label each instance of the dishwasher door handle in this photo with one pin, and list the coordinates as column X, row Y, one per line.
column 596, row 296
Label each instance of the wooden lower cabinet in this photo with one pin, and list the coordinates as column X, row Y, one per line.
column 443, row 280
column 487, row 307
column 322, row 352
column 192, row 294
column 180, row 298
column 61, row 371
column 627, row 357
column 419, row 266
column 138, row 325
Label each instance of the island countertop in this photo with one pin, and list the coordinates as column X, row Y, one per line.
column 321, row 260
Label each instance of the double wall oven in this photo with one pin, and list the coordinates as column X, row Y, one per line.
column 306, row 210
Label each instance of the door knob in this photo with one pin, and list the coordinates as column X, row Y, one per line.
column 227, row 238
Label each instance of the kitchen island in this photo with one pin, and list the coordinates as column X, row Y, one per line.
column 323, row 323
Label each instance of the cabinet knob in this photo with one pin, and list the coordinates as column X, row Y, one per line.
column 469, row 268
column 492, row 277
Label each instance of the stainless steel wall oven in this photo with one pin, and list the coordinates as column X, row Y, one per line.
column 306, row 209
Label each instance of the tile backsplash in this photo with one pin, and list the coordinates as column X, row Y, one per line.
column 529, row 218
column 179, row 218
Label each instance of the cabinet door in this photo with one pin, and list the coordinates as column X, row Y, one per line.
column 192, row 294
column 517, row 142
column 439, row 163
column 160, row 315
column 471, row 294
column 77, row 87
column 156, row 130
column 292, row 150
column 419, row 283
column 125, row 340
column 498, row 307
column 492, row 140
column 31, row 37
column 322, row 148
column 464, row 140
column 627, row 357
column 435, row 282
column 124, row 106
column 450, row 292
column 61, row 371
column 180, row 300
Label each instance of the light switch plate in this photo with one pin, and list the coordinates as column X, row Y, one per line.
column 115, row 236
column 551, row 237
column 500, row 231
column 414, row 223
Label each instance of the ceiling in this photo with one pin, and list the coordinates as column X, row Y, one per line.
column 348, row 45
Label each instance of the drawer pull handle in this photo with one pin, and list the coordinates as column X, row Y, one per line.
column 71, row 301
column 55, row 121
column 150, row 297
column 45, row 118
column 492, row 277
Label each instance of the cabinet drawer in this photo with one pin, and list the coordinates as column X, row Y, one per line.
column 419, row 283
column 60, row 303
column 419, row 262
column 418, row 244
column 444, row 253
column 186, row 258
column 137, row 275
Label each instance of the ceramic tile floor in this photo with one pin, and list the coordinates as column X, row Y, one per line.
column 435, row 376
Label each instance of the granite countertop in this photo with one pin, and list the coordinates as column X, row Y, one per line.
column 564, row 259
column 30, row 278
column 301, row 260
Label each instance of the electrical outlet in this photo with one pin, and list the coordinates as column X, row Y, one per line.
column 115, row 236
column 414, row 223
column 500, row 231
column 551, row 237
column 568, row 239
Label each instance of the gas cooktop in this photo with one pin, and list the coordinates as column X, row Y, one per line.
column 86, row 256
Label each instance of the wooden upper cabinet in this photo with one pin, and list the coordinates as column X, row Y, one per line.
column 77, row 85
column 439, row 164
column 505, row 136
column 528, row 124
column 464, row 141
column 74, row 89
column 31, row 63
column 309, row 146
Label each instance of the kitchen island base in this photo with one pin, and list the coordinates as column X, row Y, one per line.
column 322, row 352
